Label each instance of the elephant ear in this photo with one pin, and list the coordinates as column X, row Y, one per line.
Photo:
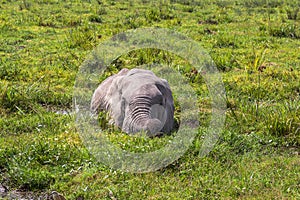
column 102, row 95
column 169, row 105
column 115, row 100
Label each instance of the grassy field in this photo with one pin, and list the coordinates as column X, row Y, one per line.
column 255, row 44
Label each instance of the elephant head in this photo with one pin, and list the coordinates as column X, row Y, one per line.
column 137, row 100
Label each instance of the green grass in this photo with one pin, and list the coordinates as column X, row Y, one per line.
column 255, row 45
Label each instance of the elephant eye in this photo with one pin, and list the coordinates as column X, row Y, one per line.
column 163, row 102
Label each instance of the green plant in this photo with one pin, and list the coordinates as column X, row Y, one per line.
column 25, row 5
column 95, row 18
column 225, row 60
column 293, row 13
column 101, row 11
column 81, row 37
column 285, row 30
column 283, row 120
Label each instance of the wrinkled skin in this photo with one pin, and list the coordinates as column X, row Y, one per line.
column 137, row 100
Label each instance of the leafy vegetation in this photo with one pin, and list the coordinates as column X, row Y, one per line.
column 255, row 45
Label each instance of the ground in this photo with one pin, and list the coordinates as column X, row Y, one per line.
column 255, row 46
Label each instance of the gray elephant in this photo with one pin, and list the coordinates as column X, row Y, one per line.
column 137, row 100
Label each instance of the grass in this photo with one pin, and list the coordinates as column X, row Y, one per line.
column 255, row 45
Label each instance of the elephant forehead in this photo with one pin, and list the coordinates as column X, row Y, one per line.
column 144, row 89
column 136, row 81
column 139, row 71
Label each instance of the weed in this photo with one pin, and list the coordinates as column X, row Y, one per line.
column 257, row 61
column 226, row 60
column 102, row 11
column 25, row 5
column 285, row 30
column 163, row 13
column 81, row 37
column 292, row 13
column 95, row 18
column 226, row 41
column 263, row 3
column 134, row 21
column 9, row 72
column 283, row 120
column 28, row 165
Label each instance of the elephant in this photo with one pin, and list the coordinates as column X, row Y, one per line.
column 136, row 100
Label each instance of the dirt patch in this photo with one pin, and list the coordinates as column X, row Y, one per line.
column 26, row 195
